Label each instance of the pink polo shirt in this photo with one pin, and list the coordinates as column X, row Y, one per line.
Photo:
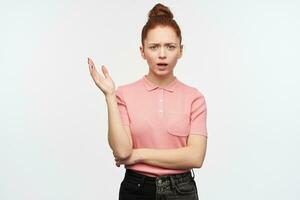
column 161, row 118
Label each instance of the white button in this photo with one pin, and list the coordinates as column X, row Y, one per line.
column 161, row 100
column 160, row 110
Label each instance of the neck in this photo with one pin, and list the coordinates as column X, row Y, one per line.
column 159, row 80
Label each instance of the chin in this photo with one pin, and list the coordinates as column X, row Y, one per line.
column 162, row 73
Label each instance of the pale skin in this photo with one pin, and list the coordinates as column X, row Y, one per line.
column 119, row 137
column 161, row 45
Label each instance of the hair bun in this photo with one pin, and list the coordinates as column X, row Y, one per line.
column 160, row 10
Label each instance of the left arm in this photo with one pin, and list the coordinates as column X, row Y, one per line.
column 191, row 156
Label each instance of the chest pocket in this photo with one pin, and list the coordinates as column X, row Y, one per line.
column 178, row 124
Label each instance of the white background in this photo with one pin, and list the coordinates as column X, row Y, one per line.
column 242, row 55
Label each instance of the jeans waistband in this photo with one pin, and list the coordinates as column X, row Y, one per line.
column 175, row 177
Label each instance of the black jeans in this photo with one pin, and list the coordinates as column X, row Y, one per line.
column 137, row 186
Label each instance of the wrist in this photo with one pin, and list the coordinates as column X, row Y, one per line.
column 142, row 155
column 110, row 96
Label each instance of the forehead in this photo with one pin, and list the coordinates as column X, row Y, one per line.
column 162, row 35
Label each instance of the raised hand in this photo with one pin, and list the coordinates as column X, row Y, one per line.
column 104, row 83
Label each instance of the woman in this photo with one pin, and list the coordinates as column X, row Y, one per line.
column 157, row 124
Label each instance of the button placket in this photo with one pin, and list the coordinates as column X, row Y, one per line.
column 161, row 101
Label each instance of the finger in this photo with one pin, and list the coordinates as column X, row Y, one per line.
column 91, row 66
column 118, row 163
column 90, row 63
column 94, row 71
column 96, row 76
column 105, row 71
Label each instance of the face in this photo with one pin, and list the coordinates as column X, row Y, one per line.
column 161, row 49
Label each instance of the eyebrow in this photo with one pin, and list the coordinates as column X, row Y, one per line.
column 159, row 44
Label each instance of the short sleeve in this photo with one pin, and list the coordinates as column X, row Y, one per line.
column 198, row 115
column 122, row 107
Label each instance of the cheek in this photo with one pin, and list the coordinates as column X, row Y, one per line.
column 151, row 62
column 174, row 58
column 151, row 58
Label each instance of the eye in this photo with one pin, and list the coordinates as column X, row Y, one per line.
column 171, row 47
column 153, row 47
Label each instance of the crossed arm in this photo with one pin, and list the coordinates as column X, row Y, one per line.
column 191, row 156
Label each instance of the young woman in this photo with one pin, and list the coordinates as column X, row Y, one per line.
column 157, row 124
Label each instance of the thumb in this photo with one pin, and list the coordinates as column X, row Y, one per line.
column 105, row 71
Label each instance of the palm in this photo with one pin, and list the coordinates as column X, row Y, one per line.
column 105, row 83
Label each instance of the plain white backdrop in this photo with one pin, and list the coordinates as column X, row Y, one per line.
column 242, row 55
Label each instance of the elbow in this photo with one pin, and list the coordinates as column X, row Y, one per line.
column 124, row 154
column 198, row 160
column 198, row 163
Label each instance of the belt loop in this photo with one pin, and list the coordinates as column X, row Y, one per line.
column 193, row 176
column 172, row 181
column 142, row 181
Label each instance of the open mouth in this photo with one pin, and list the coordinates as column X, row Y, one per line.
column 162, row 64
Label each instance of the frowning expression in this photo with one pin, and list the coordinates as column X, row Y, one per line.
column 161, row 49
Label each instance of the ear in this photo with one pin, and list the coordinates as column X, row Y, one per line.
column 142, row 52
column 181, row 51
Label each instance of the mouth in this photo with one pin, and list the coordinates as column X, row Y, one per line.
column 162, row 65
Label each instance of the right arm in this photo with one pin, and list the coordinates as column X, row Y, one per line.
column 119, row 137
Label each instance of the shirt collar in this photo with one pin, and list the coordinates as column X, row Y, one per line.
column 151, row 86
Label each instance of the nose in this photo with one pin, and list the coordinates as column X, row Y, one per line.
column 162, row 53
